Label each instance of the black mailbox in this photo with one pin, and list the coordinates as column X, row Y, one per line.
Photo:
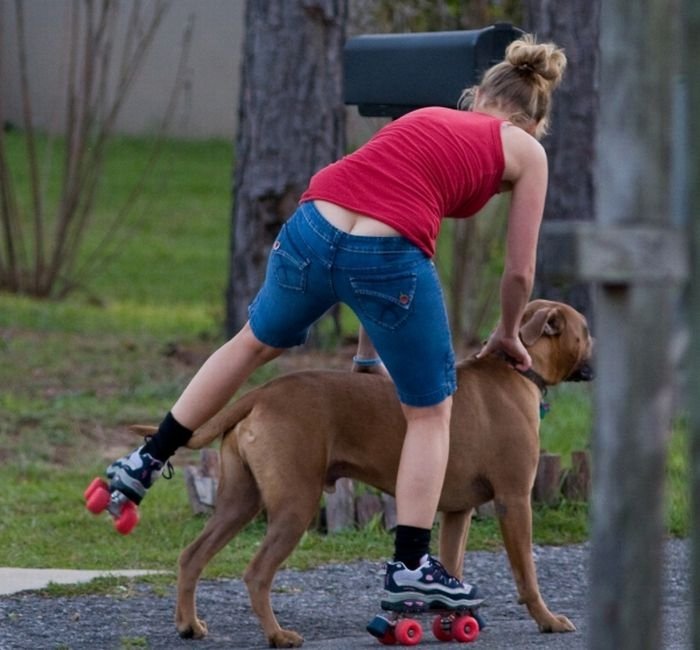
column 391, row 74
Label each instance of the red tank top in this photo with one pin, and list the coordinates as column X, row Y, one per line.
column 429, row 164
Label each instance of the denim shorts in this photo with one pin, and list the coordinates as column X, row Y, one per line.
column 390, row 284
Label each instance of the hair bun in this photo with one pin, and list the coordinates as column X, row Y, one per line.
column 530, row 58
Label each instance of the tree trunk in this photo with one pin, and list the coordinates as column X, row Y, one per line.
column 573, row 25
column 291, row 125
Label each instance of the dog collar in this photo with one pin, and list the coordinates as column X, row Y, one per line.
column 539, row 381
column 533, row 376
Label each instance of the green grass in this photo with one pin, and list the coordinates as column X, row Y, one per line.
column 566, row 426
column 73, row 374
column 169, row 259
column 47, row 508
column 678, row 481
column 46, row 524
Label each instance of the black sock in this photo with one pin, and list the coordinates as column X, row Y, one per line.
column 170, row 436
column 411, row 544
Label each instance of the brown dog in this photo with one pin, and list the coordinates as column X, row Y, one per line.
column 289, row 439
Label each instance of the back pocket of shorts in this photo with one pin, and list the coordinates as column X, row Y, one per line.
column 386, row 299
column 289, row 270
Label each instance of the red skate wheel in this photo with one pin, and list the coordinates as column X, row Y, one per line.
column 98, row 500
column 465, row 629
column 94, row 485
column 442, row 632
column 388, row 638
column 408, row 632
column 128, row 518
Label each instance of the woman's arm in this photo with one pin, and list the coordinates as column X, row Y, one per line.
column 526, row 171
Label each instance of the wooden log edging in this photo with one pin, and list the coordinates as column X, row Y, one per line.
column 347, row 507
column 552, row 484
column 202, row 482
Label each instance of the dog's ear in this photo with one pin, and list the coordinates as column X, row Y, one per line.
column 546, row 321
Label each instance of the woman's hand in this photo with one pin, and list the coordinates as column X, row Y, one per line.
column 510, row 346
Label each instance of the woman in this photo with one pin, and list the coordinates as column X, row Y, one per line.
column 364, row 235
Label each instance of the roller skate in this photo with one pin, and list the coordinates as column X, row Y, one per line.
column 429, row 589
column 129, row 478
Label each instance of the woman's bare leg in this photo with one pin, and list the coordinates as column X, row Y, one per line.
column 423, row 463
column 221, row 375
column 211, row 388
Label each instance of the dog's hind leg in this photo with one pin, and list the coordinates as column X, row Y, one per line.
column 237, row 502
column 454, row 531
column 515, row 519
column 288, row 519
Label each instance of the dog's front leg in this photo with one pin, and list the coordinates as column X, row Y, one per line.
column 515, row 519
column 454, row 530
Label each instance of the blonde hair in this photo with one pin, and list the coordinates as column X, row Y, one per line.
column 522, row 84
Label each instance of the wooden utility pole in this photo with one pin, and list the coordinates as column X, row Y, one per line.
column 634, row 313
column 690, row 55
column 638, row 260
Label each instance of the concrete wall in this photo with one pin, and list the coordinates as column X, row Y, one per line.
column 209, row 107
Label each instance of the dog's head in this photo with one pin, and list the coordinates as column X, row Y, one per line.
column 558, row 340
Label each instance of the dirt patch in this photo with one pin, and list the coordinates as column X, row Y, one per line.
column 68, row 392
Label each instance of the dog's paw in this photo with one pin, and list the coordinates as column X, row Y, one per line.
column 286, row 639
column 194, row 630
column 558, row 623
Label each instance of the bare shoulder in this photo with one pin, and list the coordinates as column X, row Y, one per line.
column 513, row 136
column 521, row 151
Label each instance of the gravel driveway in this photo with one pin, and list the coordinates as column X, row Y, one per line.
column 312, row 602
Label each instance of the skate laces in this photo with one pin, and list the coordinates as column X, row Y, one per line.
column 439, row 572
column 168, row 470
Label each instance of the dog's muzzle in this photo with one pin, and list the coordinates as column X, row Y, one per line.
column 584, row 372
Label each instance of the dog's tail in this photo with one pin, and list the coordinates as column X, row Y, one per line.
column 221, row 423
